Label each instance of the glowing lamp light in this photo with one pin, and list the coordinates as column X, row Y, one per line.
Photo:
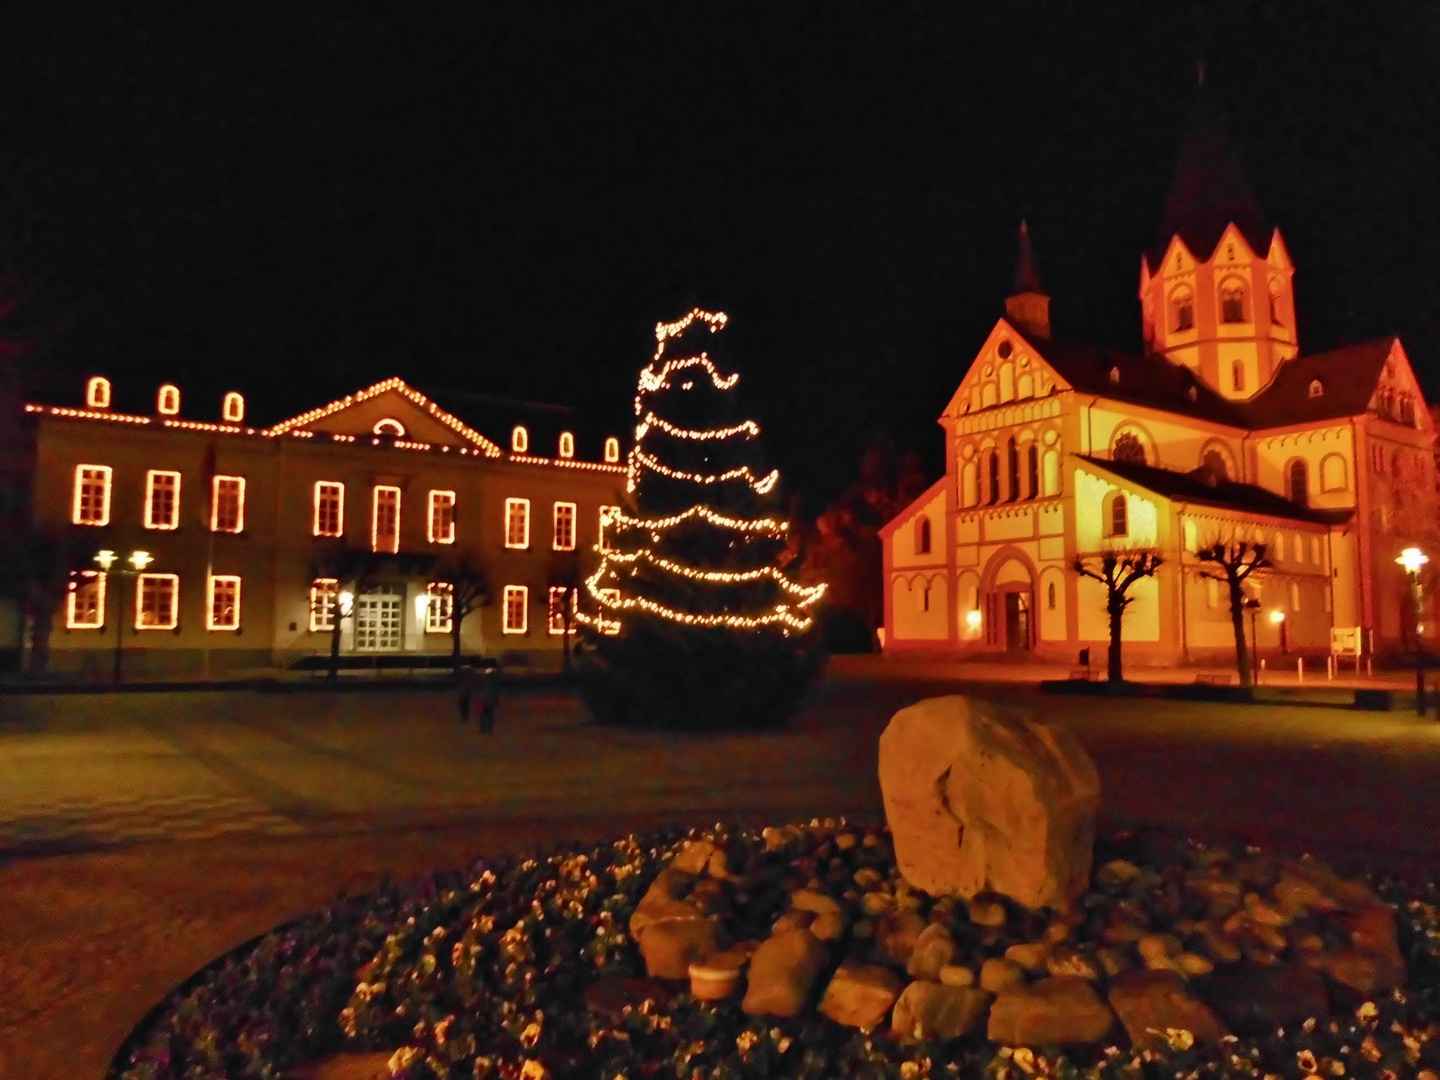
column 1412, row 559
column 347, row 603
column 106, row 559
column 1277, row 616
column 140, row 559
column 972, row 619
column 422, row 602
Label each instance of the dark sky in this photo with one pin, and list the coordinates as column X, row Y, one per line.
column 506, row 198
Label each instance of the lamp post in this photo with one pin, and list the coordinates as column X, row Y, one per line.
column 344, row 605
column 1277, row 619
column 1412, row 559
column 1252, row 605
column 139, row 560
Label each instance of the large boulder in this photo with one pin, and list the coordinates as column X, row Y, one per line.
column 1149, row 1003
column 936, row 1012
column 981, row 800
column 1254, row 1000
column 1063, row 1010
column 670, row 932
column 860, row 995
column 782, row 973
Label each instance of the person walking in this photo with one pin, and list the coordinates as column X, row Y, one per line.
column 489, row 698
column 465, row 690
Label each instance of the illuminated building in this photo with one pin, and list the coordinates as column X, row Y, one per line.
column 242, row 521
column 1224, row 427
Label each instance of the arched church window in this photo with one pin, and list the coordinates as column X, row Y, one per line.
column 1297, row 482
column 1182, row 310
column 1232, row 302
column 1128, row 447
column 1012, row 461
column 1032, row 462
column 1119, row 515
column 1050, row 596
column 1317, row 388
column 992, row 493
column 1237, row 375
column 922, row 536
column 1333, row 473
column 1215, row 466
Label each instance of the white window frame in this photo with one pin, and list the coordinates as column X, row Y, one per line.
column 555, row 617
column 215, row 484
column 566, row 542
column 95, row 578
column 210, row 622
column 519, row 439
column 522, row 594
column 394, row 537
column 150, row 490
column 167, row 400
column 233, row 408
column 172, row 619
column 606, row 512
column 97, row 393
column 612, row 449
column 102, row 474
column 441, row 500
column 439, row 607
column 567, row 445
column 522, row 508
column 339, row 493
column 324, row 605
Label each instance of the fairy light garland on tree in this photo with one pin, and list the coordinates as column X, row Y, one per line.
column 691, row 579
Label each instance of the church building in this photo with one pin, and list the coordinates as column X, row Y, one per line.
column 1223, row 428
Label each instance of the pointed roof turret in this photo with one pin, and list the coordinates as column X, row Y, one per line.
column 1209, row 189
column 1028, row 307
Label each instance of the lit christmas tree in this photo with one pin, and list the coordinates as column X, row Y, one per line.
column 690, row 621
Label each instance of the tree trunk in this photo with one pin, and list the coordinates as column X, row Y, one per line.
column 1237, row 621
column 1114, row 669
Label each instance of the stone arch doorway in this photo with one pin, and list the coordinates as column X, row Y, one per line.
column 1013, row 618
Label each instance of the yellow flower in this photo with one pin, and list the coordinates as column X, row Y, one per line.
column 1367, row 1011
column 1179, row 1038
column 530, row 1036
column 533, row 1070
column 1025, row 1058
column 1306, row 1059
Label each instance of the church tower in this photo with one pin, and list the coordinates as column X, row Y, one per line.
column 1028, row 307
column 1216, row 293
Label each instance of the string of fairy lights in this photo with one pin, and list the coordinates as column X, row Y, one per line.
column 791, row 614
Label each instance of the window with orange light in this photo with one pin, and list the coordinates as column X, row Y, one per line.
column 92, row 495
column 442, row 517
column 224, row 606
column 85, row 601
column 168, row 402
column 517, row 523
column 162, row 499
column 439, row 607
column 519, row 439
column 157, row 601
column 567, row 445
column 227, row 504
column 609, row 516
column 97, row 393
column 564, row 538
column 385, row 520
column 329, row 508
column 517, row 609
column 557, row 610
column 612, row 449
column 234, row 408
column 324, row 600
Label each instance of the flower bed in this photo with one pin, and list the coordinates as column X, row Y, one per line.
column 526, row 968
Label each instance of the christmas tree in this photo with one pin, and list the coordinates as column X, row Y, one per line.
column 690, row 620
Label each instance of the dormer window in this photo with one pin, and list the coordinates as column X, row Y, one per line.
column 1114, row 376
column 1317, row 388
column 97, row 393
column 567, row 445
column 234, row 408
column 612, row 449
column 1232, row 302
column 389, row 427
column 519, row 440
column 168, row 401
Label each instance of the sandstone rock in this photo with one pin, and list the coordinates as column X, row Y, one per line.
column 934, row 948
column 867, row 877
column 997, row 975
column 1030, row 955
column 1221, row 948
column 828, row 927
column 981, row 800
column 1255, row 1000
column 957, row 975
column 672, row 945
column 1056, row 1011
column 929, row 1010
column 1113, row 961
column 1194, row 964
column 875, row 903
column 845, row 841
column 897, row 935
column 1360, row 970
column 1072, row 962
column 1148, row 1002
column 1158, row 947
column 717, row 866
column 860, row 995
column 990, row 913
column 694, row 857
column 1372, row 933
column 1223, row 895
column 1116, row 872
column 660, row 902
column 818, row 902
column 782, row 973
column 793, row 920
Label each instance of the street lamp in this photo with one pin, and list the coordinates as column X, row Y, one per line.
column 139, row 560
column 1277, row 619
column 1412, row 559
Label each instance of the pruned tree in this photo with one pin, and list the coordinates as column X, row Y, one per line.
column 1234, row 561
column 350, row 569
column 1118, row 570
column 469, row 592
column 567, row 576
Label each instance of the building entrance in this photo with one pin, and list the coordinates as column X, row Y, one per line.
column 1017, row 620
column 377, row 620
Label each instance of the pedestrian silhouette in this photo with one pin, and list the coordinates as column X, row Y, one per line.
column 489, row 698
column 465, row 690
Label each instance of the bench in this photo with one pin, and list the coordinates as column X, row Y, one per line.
column 1209, row 679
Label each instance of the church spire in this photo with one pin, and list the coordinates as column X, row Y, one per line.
column 1029, row 306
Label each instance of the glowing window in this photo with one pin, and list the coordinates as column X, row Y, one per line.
column 1032, row 471
column 567, row 445
column 992, row 493
column 389, row 426
column 611, row 597
column 85, row 601
column 564, row 539
column 1315, row 550
column 609, row 515
column 1294, row 596
column 162, row 499
column 329, row 508
column 1232, row 303
column 157, row 601
column 439, row 607
column 1278, row 551
column 517, row 523
column 92, row 495
column 1119, row 516
column 612, row 449
column 517, row 604
column 224, row 605
column 385, row 519
column 324, row 599
column 233, row 408
column 557, row 616
column 922, row 536
column 168, row 401
column 519, row 439
column 97, row 393
column 442, row 517
column 227, row 504
column 1297, row 481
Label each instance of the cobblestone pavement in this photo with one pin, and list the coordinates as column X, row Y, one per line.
column 141, row 835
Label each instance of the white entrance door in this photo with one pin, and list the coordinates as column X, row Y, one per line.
column 377, row 621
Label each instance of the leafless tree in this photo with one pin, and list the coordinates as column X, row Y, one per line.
column 469, row 592
column 1233, row 561
column 1118, row 570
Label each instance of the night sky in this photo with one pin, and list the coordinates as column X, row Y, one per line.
column 507, row 198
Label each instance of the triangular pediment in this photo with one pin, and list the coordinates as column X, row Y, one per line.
column 1397, row 381
column 388, row 408
column 987, row 381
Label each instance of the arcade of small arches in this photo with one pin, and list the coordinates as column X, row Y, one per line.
column 1013, row 471
column 1010, row 605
